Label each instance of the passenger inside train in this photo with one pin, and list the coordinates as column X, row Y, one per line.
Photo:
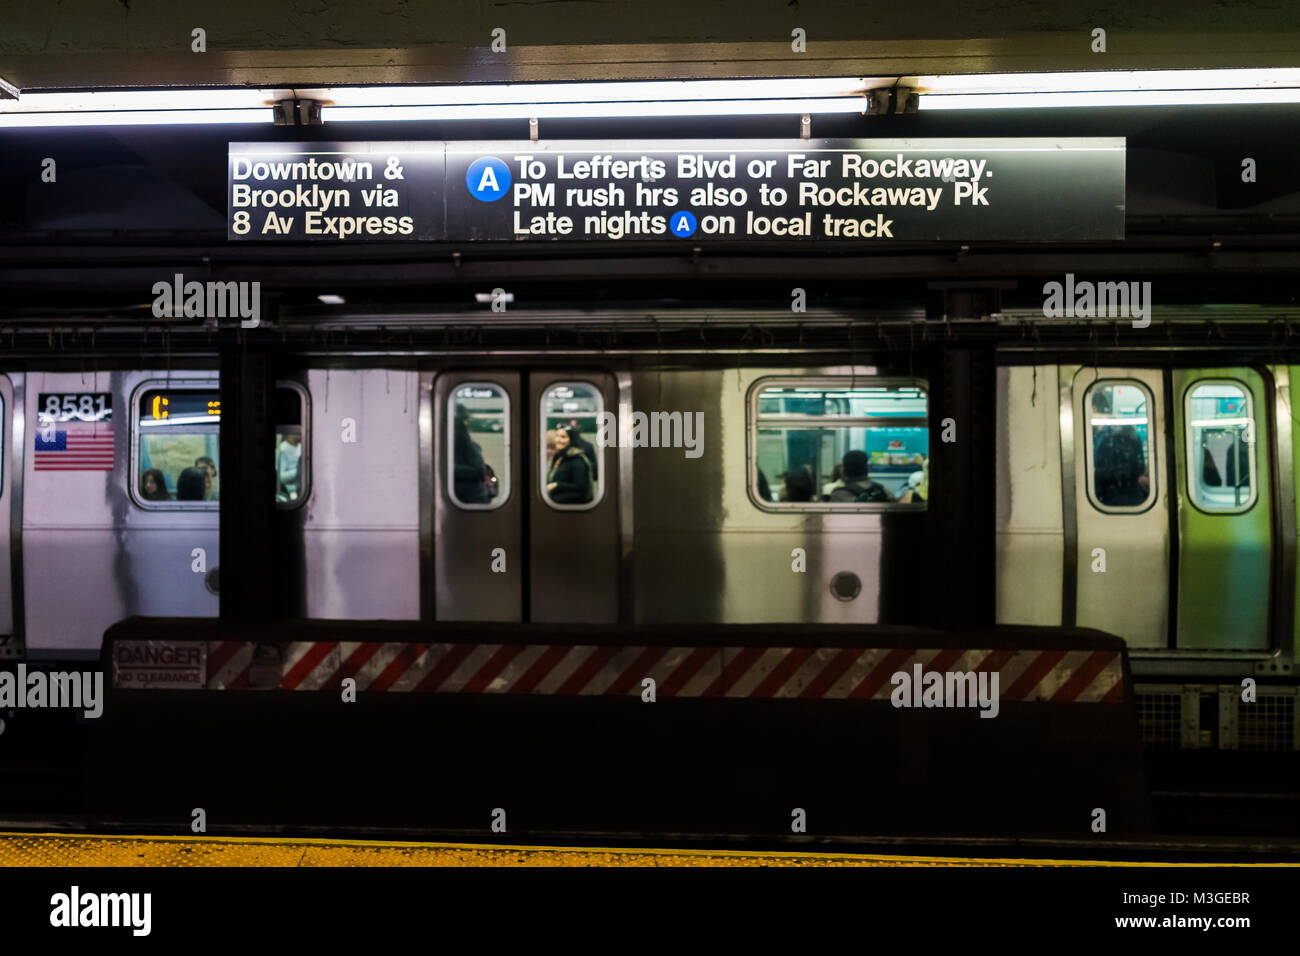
column 858, row 486
column 193, row 484
column 570, row 480
column 153, row 486
column 210, row 484
column 798, row 485
column 288, row 466
column 470, row 480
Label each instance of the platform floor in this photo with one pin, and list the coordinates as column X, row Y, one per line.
column 58, row 849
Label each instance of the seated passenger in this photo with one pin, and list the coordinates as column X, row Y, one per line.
column 764, row 491
column 192, row 484
column 153, row 486
column 210, row 466
column 857, row 486
column 798, row 485
column 569, row 479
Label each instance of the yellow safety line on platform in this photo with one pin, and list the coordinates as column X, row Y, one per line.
column 58, row 849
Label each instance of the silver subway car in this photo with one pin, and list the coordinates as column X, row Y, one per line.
column 577, row 494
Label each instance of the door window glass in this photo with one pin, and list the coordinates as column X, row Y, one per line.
column 478, row 423
column 570, row 467
column 1220, row 447
column 1120, row 476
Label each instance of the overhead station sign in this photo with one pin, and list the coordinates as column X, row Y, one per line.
column 829, row 190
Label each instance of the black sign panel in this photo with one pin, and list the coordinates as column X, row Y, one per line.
column 339, row 191
column 829, row 190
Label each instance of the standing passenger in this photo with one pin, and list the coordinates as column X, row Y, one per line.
column 288, row 461
column 469, row 474
column 569, row 480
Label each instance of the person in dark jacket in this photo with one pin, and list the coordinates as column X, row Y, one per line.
column 569, row 480
column 1120, row 472
column 857, row 486
column 469, row 475
column 588, row 449
column 192, row 484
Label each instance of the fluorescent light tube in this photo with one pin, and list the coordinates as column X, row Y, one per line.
column 1119, row 88
column 483, row 111
column 994, row 101
column 263, row 114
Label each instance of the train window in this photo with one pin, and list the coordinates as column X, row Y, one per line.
column 570, row 466
column 177, row 449
column 1121, row 478
column 1220, row 447
column 292, row 454
column 478, row 423
column 842, row 443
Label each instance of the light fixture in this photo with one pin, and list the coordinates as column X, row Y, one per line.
column 137, row 118
column 485, row 297
column 1119, row 88
column 579, row 110
column 758, row 97
column 331, row 299
column 138, row 108
column 797, row 96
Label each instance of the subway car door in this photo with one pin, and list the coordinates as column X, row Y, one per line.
column 474, row 470
column 1121, row 496
column 10, row 515
column 1224, row 542
column 573, row 531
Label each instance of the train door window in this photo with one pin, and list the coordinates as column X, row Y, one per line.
column 1121, row 476
column 478, row 466
column 177, row 448
column 843, row 443
column 292, row 448
column 571, row 478
column 1220, row 447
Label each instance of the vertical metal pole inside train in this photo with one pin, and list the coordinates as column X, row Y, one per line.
column 247, row 496
column 962, row 499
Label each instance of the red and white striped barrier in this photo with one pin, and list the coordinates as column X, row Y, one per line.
column 825, row 673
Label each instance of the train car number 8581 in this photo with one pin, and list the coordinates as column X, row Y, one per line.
column 74, row 407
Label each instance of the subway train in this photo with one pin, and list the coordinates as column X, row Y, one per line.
column 1154, row 501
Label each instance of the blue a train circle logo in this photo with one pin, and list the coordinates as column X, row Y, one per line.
column 488, row 179
column 682, row 224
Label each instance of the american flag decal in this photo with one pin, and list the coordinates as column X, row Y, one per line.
column 74, row 446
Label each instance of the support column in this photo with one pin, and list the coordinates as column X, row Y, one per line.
column 248, row 573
